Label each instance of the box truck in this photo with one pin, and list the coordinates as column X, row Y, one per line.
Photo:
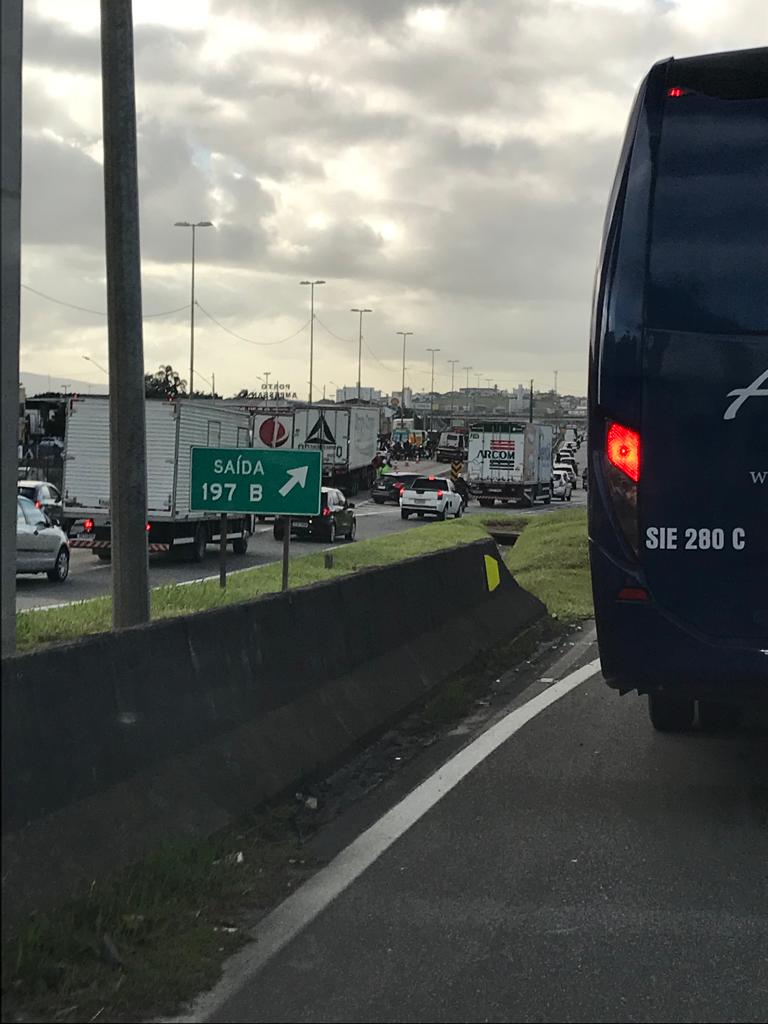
column 173, row 429
column 510, row 461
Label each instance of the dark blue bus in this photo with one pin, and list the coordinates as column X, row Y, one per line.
column 678, row 396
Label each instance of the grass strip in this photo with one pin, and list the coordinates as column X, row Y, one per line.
column 551, row 560
column 55, row 625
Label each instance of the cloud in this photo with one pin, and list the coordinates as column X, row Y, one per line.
column 447, row 163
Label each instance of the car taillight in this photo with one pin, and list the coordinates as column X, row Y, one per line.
column 38, row 504
column 622, row 446
column 439, row 494
column 88, row 525
column 621, row 470
column 148, row 527
column 326, row 511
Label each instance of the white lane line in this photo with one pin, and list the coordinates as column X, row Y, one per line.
column 300, row 909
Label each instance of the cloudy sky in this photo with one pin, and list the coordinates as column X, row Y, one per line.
column 445, row 164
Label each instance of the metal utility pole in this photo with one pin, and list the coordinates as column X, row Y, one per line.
column 555, row 388
column 311, row 329
column 11, row 28
column 432, row 390
column 128, row 465
column 359, row 349
column 453, row 374
column 530, row 404
column 193, row 225
column 405, row 334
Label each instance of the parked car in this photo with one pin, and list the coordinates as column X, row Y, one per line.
column 337, row 519
column 567, row 468
column 431, row 495
column 43, row 495
column 562, row 487
column 41, row 546
column 390, row 486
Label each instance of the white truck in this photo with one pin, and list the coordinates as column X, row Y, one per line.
column 346, row 434
column 452, row 446
column 173, row 428
column 510, row 461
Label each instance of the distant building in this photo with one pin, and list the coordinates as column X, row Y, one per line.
column 349, row 394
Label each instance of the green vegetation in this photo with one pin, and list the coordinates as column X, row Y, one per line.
column 147, row 938
column 87, row 617
column 551, row 560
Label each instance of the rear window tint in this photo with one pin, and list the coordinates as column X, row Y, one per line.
column 708, row 270
column 423, row 484
column 28, row 492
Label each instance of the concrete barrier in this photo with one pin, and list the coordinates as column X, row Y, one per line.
column 115, row 742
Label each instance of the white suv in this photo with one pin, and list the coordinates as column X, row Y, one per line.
column 430, row 496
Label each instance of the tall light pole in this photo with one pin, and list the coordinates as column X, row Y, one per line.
column 311, row 330
column 432, row 390
column 97, row 365
column 360, row 348
column 469, row 404
column 453, row 373
column 404, row 334
column 193, row 225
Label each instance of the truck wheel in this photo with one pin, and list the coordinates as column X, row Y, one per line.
column 200, row 542
column 717, row 717
column 404, row 514
column 278, row 531
column 547, row 499
column 104, row 555
column 670, row 714
column 240, row 544
column 487, row 502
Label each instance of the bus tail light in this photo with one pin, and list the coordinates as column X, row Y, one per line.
column 622, row 446
column 88, row 526
column 633, row 594
column 621, row 468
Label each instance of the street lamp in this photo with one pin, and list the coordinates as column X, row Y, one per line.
column 405, row 334
column 469, row 405
column 97, row 365
column 360, row 348
column 193, row 225
column 432, row 390
column 311, row 329
column 453, row 372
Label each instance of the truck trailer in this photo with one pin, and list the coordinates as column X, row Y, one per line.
column 173, row 429
column 510, row 461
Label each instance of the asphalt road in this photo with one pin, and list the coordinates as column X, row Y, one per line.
column 90, row 577
column 586, row 869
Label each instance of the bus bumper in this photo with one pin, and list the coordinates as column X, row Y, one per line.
column 645, row 648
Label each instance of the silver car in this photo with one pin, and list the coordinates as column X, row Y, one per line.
column 40, row 545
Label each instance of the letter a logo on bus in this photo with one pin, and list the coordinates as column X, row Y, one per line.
column 320, row 433
column 740, row 395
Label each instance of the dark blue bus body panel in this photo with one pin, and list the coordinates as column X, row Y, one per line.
column 678, row 354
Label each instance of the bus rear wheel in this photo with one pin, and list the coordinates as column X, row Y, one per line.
column 670, row 714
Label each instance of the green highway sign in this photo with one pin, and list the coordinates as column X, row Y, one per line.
column 256, row 481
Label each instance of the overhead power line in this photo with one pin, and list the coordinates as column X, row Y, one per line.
column 251, row 341
column 96, row 312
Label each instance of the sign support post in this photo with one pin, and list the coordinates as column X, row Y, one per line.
column 286, row 549
column 223, row 551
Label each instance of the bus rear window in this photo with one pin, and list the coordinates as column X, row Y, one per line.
column 708, row 270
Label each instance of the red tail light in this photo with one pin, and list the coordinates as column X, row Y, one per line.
column 622, row 446
column 326, row 511
column 633, row 594
column 38, row 504
column 88, row 526
column 439, row 494
column 148, row 527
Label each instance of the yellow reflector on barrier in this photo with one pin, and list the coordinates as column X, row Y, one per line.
column 492, row 572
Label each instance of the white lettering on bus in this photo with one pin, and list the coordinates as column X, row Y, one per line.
column 753, row 390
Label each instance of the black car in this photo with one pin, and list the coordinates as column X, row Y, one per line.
column 44, row 495
column 388, row 487
column 336, row 519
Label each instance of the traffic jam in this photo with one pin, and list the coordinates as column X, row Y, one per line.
column 427, row 476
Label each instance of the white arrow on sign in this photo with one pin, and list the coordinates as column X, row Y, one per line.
column 295, row 476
